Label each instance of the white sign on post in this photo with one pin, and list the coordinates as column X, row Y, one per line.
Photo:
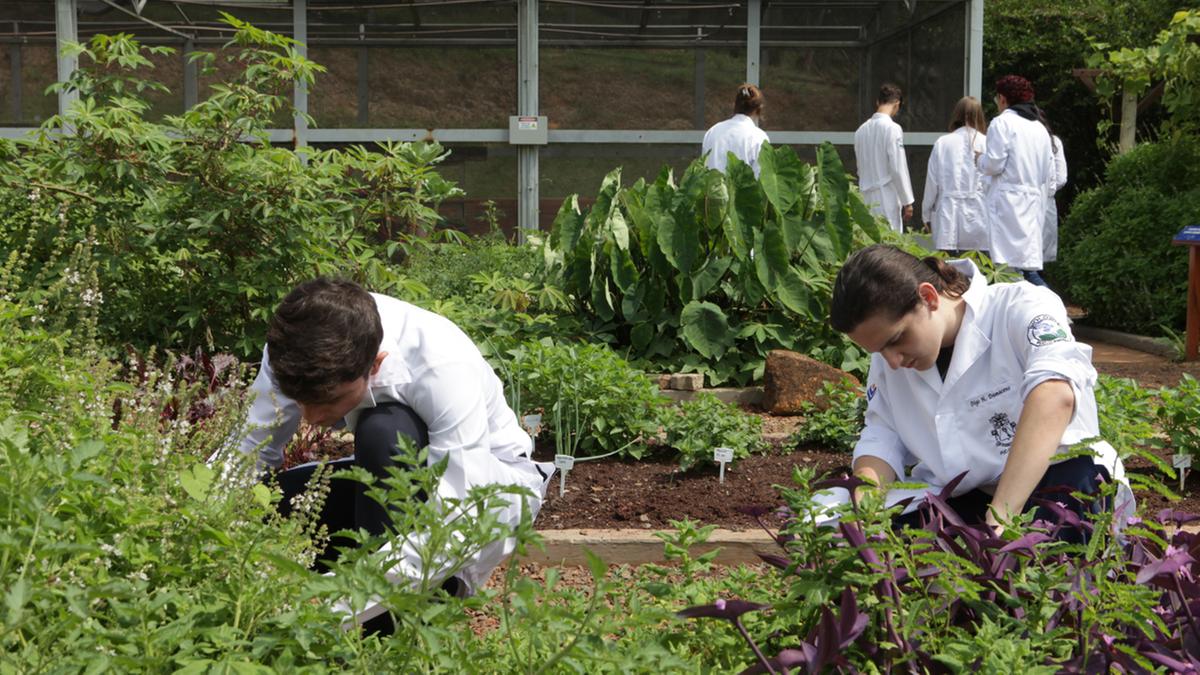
column 563, row 463
column 722, row 456
column 1182, row 462
column 532, row 424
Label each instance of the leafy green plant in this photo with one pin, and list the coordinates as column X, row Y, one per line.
column 1178, row 413
column 196, row 225
column 1149, row 194
column 616, row 406
column 836, row 419
column 673, row 268
column 695, row 428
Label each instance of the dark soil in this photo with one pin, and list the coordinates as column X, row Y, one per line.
column 646, row 494
column 650, row 492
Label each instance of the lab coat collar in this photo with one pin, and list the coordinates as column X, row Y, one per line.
column 971, row 342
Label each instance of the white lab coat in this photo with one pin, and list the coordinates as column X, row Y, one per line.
column 1018, row 156
column 1013, row 337
column 434, row 368
column 1050, row 226
column 953, row 202
column 883, row 168
column 739, row 135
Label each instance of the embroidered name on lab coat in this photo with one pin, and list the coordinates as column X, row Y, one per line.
column 978, row 400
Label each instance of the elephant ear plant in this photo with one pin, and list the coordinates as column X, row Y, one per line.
column 700, row 272
column 953, row 597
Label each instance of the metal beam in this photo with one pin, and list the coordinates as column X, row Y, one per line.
column 14, row 79
column 300, row 93
column 364, row 74
column 557, row 136
column 66, row 29
column 191, row 76
column 527, row 104
column 975, row 49
column 753, row 38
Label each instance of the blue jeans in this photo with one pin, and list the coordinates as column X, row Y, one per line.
column 1034, row 277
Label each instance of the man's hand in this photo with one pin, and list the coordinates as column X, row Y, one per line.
column 906, row 212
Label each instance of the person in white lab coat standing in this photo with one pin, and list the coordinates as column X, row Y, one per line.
column 739, row 134
column 338, row 354
column 1020, row 159
column 882, row 166
column 972, row 377
column 953, row 204
column 1059, row 179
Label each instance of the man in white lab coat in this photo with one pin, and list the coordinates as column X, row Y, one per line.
column 882, row 166
column 338, row 354
column 1020, row 159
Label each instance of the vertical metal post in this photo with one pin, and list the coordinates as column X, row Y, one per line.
column 698, row 100
column 527, row 104
column 364, row 65
column 191, row 76
column 66, row 29
column 1129, row 110
column 753, row 36
column 974, row 74
column 300, row 95
column 14, row 63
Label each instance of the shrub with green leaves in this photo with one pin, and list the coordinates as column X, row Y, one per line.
column 1178, row 413
column 836, row 421
column 708, row 272
column 196, row 224
column 617, row 405
column 695, row 428
column 1116, row 252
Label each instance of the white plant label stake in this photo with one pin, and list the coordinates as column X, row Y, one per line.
column 721, row 456
column 1183, row 462
column 532, row 424
column 563, row 463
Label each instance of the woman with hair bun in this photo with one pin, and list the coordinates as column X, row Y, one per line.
column 953, row 204
column 739, row 134
column 1020, row 158
column 972, row 377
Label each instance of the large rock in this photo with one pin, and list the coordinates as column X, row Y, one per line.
column 790, row 379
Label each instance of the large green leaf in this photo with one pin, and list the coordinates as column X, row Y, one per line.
column 715, row 203
column 709, row 276
column 747, row 207
column 564, row 233
column 705, row 329
column 624, row 271
column 834, row 185
column 779, row 174
column 771, row 255
column 793, row 292
column 678, row 232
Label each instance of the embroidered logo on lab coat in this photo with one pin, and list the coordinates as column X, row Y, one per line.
column 1003, row 429
column 1044, row 330
column 871, row 391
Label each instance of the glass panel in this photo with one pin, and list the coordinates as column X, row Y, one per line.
column 448, row 67
column 667, row 67
column 579, row 169
column 486, row 172
column 927, row 61
column 27, row 62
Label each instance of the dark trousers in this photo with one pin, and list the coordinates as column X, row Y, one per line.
column 347, row 507
column 1078, row 474
column 1034, row 277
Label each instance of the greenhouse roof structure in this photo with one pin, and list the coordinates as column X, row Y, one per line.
column 533, row 79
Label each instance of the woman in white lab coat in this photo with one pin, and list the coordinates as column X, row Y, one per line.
column 1050, row 227
column 1019, row 158
column 739, row 134
column 971, row 377
column 953, row 205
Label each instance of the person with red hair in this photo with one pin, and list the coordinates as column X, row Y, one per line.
column 1020, row 159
